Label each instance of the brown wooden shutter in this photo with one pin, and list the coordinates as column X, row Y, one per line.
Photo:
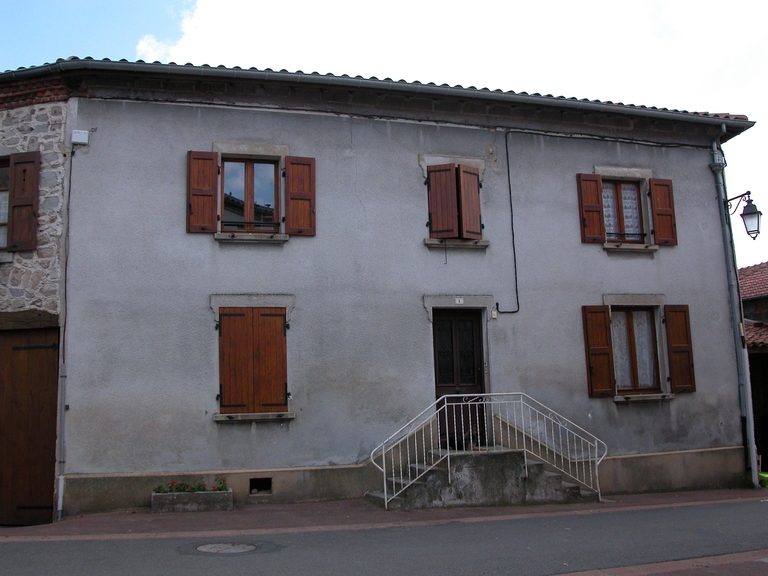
column 679, row 349
column 599, row 349
column 202, row 191
column 443, row 201
column 591, row 207
column 300, row 196
column 270, row 367
column 236, row 360
column 663, row 210
column 23, row 201
column 469, row 198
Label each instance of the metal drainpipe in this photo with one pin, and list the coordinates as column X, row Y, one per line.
column 745, row 387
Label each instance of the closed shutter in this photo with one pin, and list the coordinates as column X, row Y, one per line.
column 270, row 368
column 679, row 349
column 202, row 191
column 236, row 360
column 663, row 210
column 443, row 201
column 300, row 196
column 591, row 207
column 469, row 194
column 599, row 349
column 23, row 201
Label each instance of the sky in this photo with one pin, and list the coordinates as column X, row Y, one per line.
column 701, row 55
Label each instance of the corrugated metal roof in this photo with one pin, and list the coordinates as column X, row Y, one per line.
column 73, row 63
column 753, row 281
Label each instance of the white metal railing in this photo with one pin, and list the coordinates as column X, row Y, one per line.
column 487, row 422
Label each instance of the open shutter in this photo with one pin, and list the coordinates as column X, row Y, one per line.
column 679, row 349
column 270, row 368
column 443, row 201
column 591, row 207
column 23, row 201
column 300, row 196
column 202, row 191
column 663, row 210
column 236, row 360
column 469, row 196
column 599, row 349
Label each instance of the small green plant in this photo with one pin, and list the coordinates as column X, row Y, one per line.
column 219, row 485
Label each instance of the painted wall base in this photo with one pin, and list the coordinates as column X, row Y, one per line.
column 659, row 472
column 669, row 471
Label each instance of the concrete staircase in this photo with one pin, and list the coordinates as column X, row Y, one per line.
column 493, row 476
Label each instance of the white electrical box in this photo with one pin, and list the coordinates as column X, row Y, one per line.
column 80, row 136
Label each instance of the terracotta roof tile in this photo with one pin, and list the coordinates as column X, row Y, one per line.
column 756, row 334
column 754, row 281
column 470, row 89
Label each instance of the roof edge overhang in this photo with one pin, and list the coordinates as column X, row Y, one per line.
column 734, row 125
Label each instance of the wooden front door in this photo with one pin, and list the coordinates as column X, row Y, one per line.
column 459, row 369
column 28, row 395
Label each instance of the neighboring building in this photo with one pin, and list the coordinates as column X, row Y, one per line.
column 265, row 274
column 753, row 281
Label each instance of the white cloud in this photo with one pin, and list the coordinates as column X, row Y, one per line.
column 685, row 54
column 150, row 50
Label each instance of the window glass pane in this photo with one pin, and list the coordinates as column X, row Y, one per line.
column 630, row 203
column 234, row 194
column 264, row 192
column 609, row 211
column 3, row 235
column 5, row 173
column 644, row 348
column 620, row 349
column 3, row 207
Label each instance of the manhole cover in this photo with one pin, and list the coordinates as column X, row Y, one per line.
column 226, row 548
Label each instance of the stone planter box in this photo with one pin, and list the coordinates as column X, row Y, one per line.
column 213, row 501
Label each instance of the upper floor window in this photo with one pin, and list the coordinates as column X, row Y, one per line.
column 614, row 210
column 251, row 199
column 4, row 176
column 454, row 202
column 19, row 198
column 269, row 195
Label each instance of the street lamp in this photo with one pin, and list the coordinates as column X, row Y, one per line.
column 750, row 214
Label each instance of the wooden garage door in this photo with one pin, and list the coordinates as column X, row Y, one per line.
column 28, row 395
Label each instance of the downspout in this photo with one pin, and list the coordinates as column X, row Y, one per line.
column 745, row 387
column 63, row 369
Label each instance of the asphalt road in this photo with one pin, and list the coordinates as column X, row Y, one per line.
column 524, row 546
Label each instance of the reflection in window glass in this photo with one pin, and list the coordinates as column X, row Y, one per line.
column 264, row 192
column 234, row 194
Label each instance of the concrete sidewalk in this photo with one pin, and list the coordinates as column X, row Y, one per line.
column 358, row 514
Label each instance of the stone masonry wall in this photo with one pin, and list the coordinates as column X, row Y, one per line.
column 31, row 281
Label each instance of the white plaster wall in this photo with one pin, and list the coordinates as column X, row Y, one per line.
column 142, row 353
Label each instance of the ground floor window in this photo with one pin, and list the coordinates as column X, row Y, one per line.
column 253, row 372
column 624, row 355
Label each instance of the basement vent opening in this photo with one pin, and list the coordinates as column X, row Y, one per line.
column 261, row 486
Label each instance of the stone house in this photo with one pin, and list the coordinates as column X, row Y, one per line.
column 264, row 274
column 753, row 281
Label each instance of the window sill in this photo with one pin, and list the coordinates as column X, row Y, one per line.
column 6, row 257
column 632, row 398
column 456, row 243
column 255, row 417
column 244, row 238
column 629, row 247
